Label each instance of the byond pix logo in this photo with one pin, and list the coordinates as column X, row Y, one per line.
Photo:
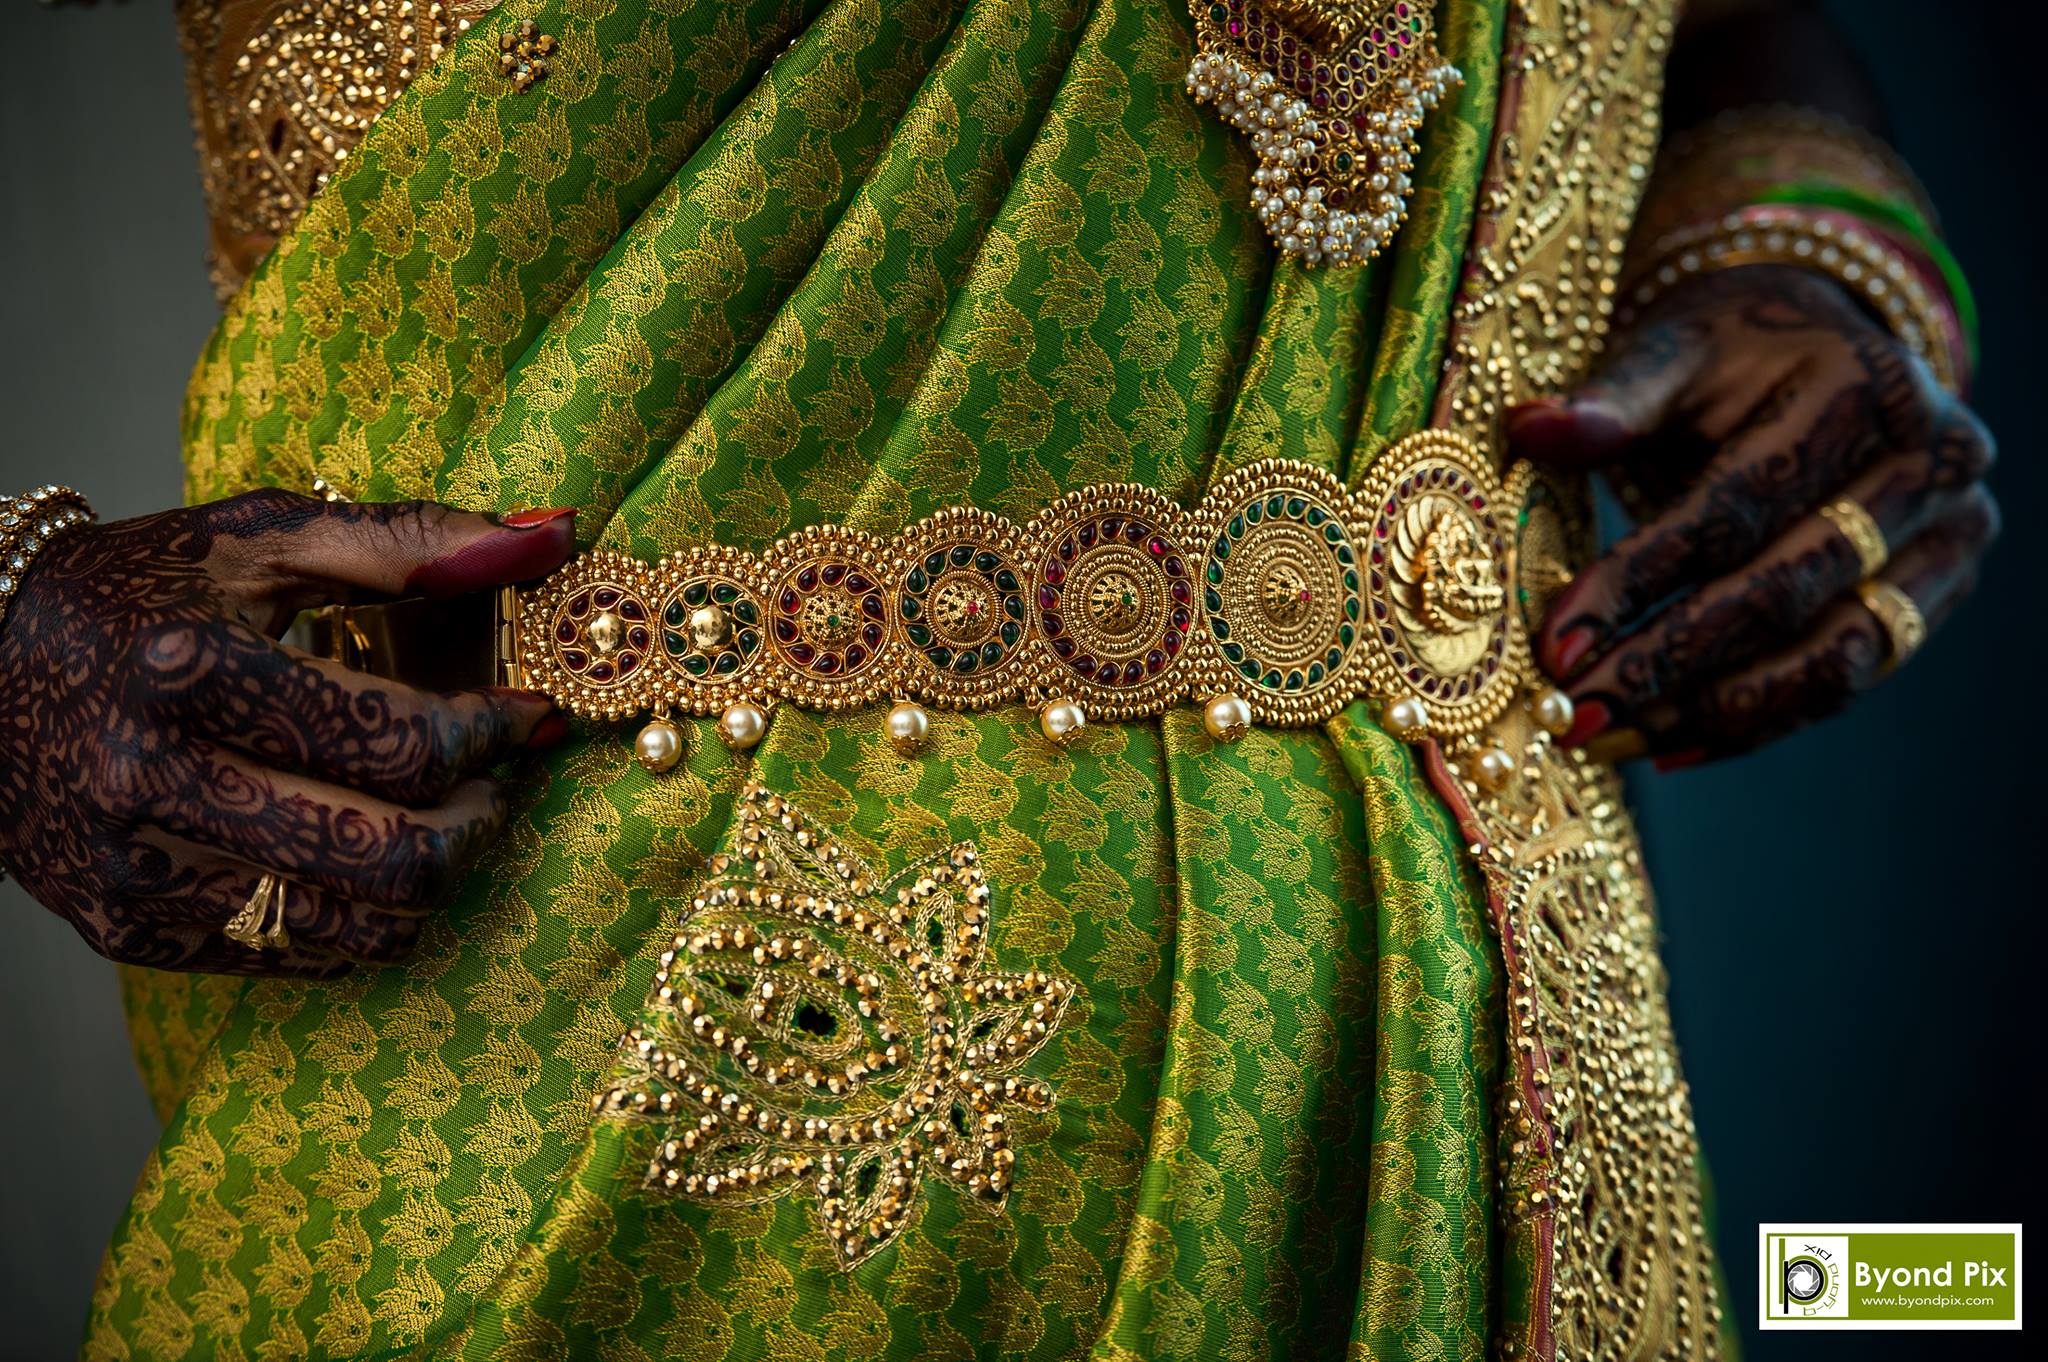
column 1808, row 1274
column 1888, row 1276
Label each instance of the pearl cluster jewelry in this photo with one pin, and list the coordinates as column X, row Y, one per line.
column 1307, row 174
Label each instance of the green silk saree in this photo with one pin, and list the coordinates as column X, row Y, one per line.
column 734, row 268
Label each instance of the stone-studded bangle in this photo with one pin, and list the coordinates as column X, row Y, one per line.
column 1895, row 282
column 27, row 524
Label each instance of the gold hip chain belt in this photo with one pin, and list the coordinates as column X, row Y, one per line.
column 1279, row 599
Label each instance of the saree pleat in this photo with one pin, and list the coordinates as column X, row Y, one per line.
column 729, row 271
column 1424, row 273
column 807, row 426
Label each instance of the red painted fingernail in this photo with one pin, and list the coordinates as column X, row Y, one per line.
column 515, row 554
column 1589, row 719
column 1601, row 432
column 1571, row 649
column 1542, row 430
column 1678, row 761
column 548, row 732
column 526, row 520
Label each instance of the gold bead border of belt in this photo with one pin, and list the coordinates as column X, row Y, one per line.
column 1279, row 599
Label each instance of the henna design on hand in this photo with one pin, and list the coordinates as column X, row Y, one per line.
column 1728, row 616
column 159, row 751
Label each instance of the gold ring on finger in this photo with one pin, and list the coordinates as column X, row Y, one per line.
column 259, row 923
column 1856, row 525
column 1903, row 623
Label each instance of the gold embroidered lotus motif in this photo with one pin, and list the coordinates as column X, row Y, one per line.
column 816, row 1030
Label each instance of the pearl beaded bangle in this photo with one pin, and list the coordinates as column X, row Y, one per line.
column 1878, row 272
column 27, row 524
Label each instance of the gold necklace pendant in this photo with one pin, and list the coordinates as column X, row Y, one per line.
column 1330, row 92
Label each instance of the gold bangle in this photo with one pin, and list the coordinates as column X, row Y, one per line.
column 27, row 525
column 1857, row 526
column 1876, row 273
column 1903, row 623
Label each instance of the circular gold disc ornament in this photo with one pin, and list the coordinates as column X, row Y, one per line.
column 1114, row 597
column 713, row 626
column 1283, row 590
column 1440, row 582
column 590, row 639
column 829, row 616
column 962, row 605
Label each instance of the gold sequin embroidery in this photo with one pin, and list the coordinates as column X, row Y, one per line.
column 817, row 1029
column 283, row 90
column 1598, row 1157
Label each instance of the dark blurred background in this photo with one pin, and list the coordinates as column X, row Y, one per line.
column 1873, row 876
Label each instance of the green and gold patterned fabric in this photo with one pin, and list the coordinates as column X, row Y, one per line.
column 738, row 266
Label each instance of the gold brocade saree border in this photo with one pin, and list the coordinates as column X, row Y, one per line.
column 1598, row 1158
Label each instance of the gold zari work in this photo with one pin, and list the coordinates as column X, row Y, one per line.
column 1598, row 1156
column 1281, row 586
column 1578, row 126
column 819, row 1029
column 1597, row 1146
column 282, row 90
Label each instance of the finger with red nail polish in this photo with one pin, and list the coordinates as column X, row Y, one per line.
column 523, row 546
column 1565, row 653
column 548, row 732
column 347, row 551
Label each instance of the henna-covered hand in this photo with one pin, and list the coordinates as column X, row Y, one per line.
column 160, row 751
column 1737, row 408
